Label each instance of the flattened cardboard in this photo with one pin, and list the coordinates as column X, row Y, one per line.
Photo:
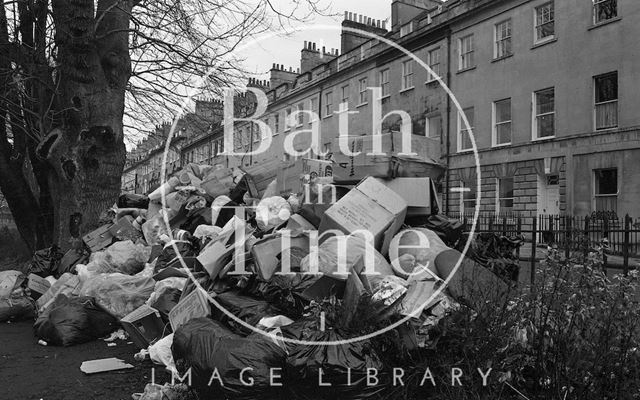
column 195, row 305
column 144, row 325
column 370, row 206
column 356, row 293
column 103, row 365
column 98, row 239
column 38, row 285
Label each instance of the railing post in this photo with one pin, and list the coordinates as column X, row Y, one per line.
column 518, row 233
column 504, row 226
column 586, row 235
column 625, row 248
column 605, row 235
column 567, row 237
column 533, row 248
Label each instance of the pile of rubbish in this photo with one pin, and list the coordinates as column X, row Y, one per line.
column 215, row 275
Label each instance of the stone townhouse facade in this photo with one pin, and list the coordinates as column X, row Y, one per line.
column 547, row 86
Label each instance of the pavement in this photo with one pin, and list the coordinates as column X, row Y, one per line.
column 31, row 371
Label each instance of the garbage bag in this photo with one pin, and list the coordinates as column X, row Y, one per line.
column 127, row 257
column 70, row 260
column 272, row 212
column 45, row 262
column 14, row 302
column 305, row 363
column 165, row 302
column 206, row 346
column 413, row 252
column 129, row 200
column 449, row 229
column 355, row 247
column 185, row 249
column 73, row 320
column 160, row 352
column 247, row 309
column 285, row 292
column 124, row 257
column 68, row 284
column 117, row 293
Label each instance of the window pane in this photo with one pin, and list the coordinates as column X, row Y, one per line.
column 604, row 10
column 546, row 125
column 545, row 101
column 503, row 133
column 503, row 110
column 606, row 87
column 607, row 181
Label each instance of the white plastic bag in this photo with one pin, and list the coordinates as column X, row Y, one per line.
column 117, row 293
column 160, row 352
column 271, row 212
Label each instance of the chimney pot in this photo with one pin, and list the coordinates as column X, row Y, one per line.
column 384, row 25
column 346, row 15
column 305, row 44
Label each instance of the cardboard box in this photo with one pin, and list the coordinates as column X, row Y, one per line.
column 290, row 176
column 317, row 168
column 98, row 239
column 419, row 194
column 218, row 253
column 266, row 253
column 37, row 285
column 354, row 168
column 370, row 206
column 144, row 325
column 123, row 229
column 195, row 305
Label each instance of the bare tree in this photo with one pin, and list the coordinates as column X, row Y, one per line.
column 73, row 71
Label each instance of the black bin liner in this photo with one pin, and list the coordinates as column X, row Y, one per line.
column 206, row 347
column 74, row 320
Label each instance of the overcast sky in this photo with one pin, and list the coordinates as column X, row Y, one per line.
column 286, row 49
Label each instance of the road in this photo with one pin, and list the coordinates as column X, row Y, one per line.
column 30, row 371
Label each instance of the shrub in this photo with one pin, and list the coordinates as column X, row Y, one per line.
column 573, row 335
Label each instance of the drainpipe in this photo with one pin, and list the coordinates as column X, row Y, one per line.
column 448, row 135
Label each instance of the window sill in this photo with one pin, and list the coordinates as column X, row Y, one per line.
column 460, row 71
column 362, row 105
column 497, row 59
column 497, row 146
column 327, row 116
column 543, row 139
column 603, row 23
column 612, row 128
column 466, row 151
column 544, row 42
column 407, row 89
column 384, row 97
column 432, row 81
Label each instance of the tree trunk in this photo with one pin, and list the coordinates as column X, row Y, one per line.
column 87, row 152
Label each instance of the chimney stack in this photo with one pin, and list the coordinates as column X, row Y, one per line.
column 311, row 58
column 350, row 39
